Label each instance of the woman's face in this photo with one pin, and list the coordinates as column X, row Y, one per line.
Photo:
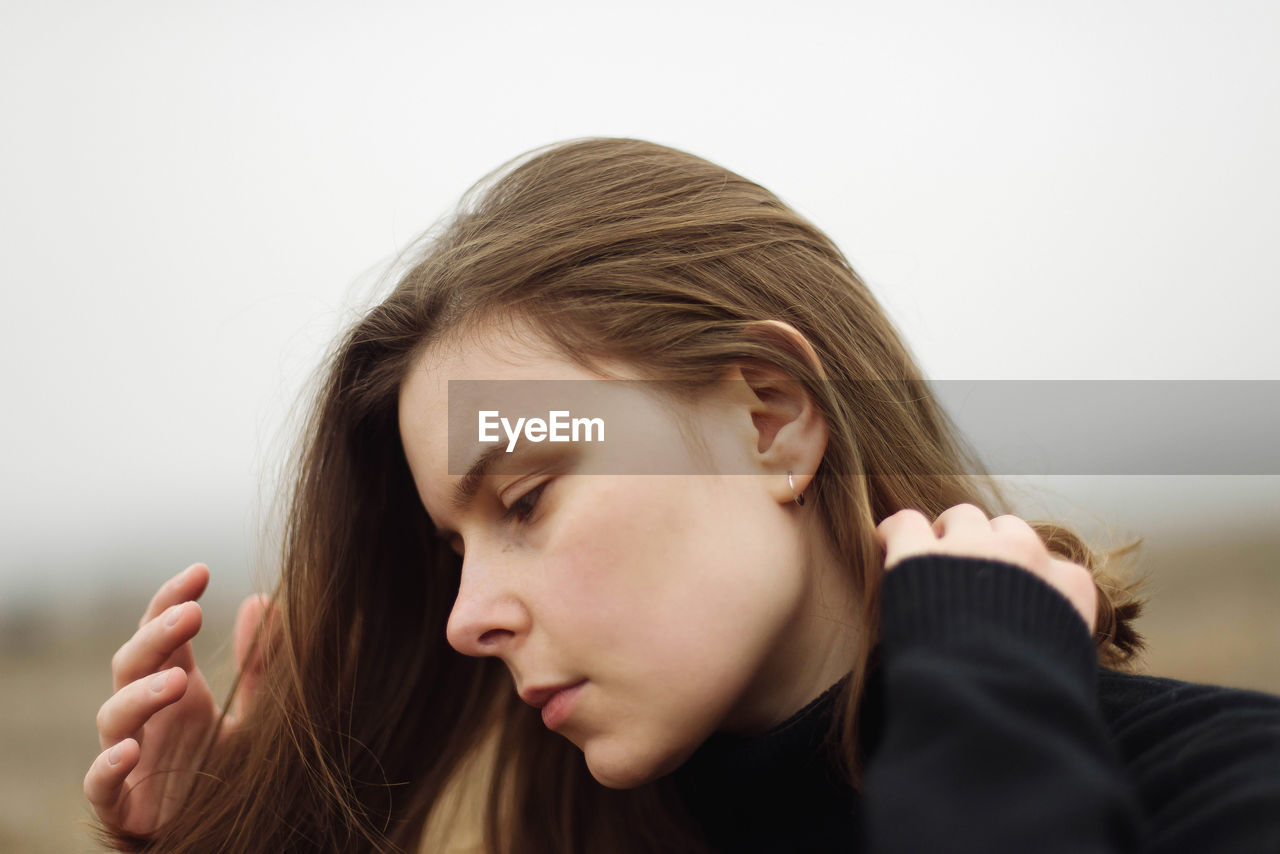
column 688, row 601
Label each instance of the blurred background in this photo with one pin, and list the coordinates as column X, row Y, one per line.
column 198, row 197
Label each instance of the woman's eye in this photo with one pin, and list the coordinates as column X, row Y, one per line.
column 522, row 508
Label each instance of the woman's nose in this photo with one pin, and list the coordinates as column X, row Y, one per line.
column 487, row 617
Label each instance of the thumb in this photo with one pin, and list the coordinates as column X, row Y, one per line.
column 257, row 618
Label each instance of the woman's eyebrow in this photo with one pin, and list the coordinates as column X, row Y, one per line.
column 467, row 488
column 465, row 492
column 493, row 457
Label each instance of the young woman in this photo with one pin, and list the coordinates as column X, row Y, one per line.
column 780, row 609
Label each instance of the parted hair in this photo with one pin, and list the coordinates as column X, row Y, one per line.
column 370, row 733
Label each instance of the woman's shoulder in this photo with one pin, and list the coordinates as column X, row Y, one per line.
column 1158, row 721
column 1204, row 759
column 1126, row 699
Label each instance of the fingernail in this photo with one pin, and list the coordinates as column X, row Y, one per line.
column 157, row 682
column 113, row 755
column 172, row 615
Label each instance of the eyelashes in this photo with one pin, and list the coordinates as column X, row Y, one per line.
column 522, row 509
column 520, row 512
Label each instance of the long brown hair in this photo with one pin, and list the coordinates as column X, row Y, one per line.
column 369, row 723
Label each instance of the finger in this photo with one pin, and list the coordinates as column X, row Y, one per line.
column 127, row 710
column 1013, row 525
column 105, row 779
column 961, row 518
column 186, row 585
column 1076, row 582
column 255, row 619
column 164, row 639
column 254, row 611
column 904, row 518
column 1020, row 543
column 904, row 534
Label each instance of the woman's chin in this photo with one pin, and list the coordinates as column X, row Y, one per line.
column 615, row 766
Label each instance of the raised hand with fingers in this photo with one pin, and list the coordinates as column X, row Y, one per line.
column 162, row 711
column 965, row 531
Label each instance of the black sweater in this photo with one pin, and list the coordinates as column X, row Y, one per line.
column 990, row 727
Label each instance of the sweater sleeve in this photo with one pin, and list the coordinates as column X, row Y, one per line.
column 993, row 741
column 1204, row 759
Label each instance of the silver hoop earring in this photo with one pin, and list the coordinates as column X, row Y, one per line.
column 799, row 498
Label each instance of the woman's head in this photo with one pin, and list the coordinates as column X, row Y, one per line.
column 715, row 602
column 681, row 598
column 690, row 599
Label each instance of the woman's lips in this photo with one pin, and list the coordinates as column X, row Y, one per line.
column 560, row 705
column 538, row 697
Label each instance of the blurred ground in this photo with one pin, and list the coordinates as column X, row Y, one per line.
column 1213, row 616
column 55, row 671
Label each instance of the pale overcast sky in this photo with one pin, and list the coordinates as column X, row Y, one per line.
column 196, row 197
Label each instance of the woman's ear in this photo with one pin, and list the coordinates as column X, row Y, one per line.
column 790, row 432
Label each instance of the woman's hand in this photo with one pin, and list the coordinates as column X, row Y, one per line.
column 162, row 709
column 965, row 531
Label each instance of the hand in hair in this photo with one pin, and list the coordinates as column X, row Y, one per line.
column 162, row 711
column 965, row 531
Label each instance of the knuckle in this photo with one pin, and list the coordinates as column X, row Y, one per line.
column 902, row 515
column 103, row 717
column 1026, row 548
column 1075, row 580
column 961, row 509
column 1019, row 536
column 954, row 518
column 1083, row 581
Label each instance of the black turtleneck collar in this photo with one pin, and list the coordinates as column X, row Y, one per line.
column 750, row 794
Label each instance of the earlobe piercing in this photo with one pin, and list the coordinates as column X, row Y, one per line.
column 791, row 483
